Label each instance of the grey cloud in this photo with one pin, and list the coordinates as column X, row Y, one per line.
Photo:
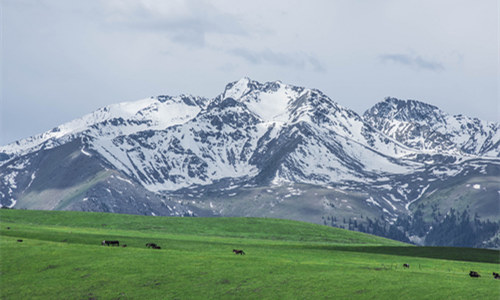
column 398, row 58
column 413, row 61
column 317, row 66
column 427, row 64
column 267, row 56
column 189, row 28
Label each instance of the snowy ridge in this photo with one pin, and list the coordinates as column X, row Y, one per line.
column 113, row 120
column 197, row 152
column 426, row 128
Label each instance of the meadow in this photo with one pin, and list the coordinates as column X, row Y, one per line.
column 61, row 257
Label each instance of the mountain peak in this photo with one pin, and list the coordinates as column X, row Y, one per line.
column 245, row 85
column 423, row 126
column 405, row 111
column 400, row 103
column 239, row 88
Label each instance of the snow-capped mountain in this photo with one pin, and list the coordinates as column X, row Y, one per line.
column 314, row 139
column 427, row 128
column 257, row 149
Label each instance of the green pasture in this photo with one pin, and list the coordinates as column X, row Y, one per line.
column 61, row 257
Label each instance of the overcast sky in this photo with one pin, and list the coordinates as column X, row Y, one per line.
column 62, row 59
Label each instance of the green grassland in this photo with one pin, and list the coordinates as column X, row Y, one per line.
column 61, row 257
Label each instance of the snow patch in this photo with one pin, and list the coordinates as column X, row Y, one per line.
column 85, row 152
column 10, row 179
column 407, row 206
column 13, row 202
column 370, row 200
column 33, row 176
column 389, row 202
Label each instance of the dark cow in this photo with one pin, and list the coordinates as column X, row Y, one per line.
column 496, row 275
column 151, row 245
column 110, row 243
column 20, row 241
column 406, row 266
column 124, row 246
column 474, row 274
column 156, row 247
column 241, row 252
column 8, row 228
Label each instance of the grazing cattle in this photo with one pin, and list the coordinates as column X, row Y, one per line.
column 124, row 246
column 110, row 243
column 156, row 247
column 406, row 266
column 241, row 252
column 151, row 245
column 496, row 275
column 20, row 241
column 474, row 274
column 8, row 227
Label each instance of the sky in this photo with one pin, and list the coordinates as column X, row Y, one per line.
column 62, row 59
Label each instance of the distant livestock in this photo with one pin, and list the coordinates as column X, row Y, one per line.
column 8, row 227
column 474, row 274
column 496, row 275
column 124, row 246
column 151, row 245
column 156, row 247
column 406, row 266
column 20, row 241
column 241, row 252
column 110, row 243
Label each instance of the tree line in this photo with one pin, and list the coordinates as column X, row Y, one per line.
column 455, row 228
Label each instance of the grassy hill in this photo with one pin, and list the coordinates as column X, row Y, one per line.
column 61, row 257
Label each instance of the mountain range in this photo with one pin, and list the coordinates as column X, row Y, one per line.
column 404, row 169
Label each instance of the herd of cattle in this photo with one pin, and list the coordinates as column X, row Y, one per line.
column 117, row 244
column 149, row 245
column 476, row 274
column 241, row 252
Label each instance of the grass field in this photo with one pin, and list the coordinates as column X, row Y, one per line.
column 61, row 257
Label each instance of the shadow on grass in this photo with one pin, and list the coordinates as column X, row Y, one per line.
column 449, row 253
